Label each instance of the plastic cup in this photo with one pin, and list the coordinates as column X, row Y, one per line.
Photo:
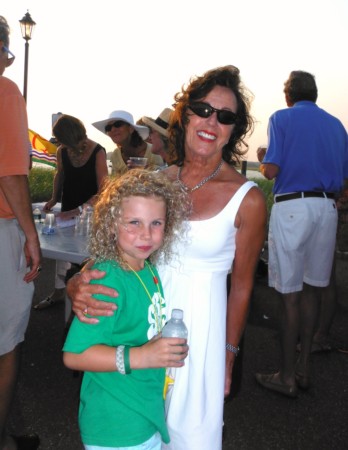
column 137, row 162
column 49, row 224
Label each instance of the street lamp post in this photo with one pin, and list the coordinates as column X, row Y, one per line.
column 27, row 26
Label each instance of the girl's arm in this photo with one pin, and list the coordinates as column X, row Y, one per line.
column 159, row 352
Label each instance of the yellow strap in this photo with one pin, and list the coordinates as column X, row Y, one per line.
column 168, row 382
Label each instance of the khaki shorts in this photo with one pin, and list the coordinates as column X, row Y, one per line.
column 15, row 294
column 301, row 243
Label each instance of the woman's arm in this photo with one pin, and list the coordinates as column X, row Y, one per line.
column 57, row 183
column 80, row 292
column 159, row 352
column 250, row 238
column 101, row 169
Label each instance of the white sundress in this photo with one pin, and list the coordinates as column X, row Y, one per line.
column 196, row 283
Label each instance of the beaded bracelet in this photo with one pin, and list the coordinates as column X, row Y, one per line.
column 128, row 369
column 120, row 359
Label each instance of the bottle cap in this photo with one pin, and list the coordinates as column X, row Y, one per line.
column 177, row 313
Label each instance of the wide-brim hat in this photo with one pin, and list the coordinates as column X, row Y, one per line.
column 125, row 117
column 161, row 123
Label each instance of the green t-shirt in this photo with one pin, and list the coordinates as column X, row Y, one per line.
column 122, row 410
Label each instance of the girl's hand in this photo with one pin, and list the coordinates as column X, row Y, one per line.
column 159, row 352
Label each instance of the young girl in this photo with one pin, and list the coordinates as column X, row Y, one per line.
column 121, row 402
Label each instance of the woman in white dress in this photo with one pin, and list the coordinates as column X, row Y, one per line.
column 227, row 231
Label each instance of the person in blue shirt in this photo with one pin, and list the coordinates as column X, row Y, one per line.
column 307, row 156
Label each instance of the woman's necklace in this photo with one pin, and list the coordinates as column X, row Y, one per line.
column 201, row 183
column 155, row 280
column 78, row 156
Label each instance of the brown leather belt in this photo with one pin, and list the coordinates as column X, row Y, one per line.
column 305, row 194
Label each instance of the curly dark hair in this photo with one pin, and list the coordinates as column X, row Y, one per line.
column 108, row 209
column 198, row 88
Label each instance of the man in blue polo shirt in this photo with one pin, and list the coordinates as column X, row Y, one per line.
column 307, row 156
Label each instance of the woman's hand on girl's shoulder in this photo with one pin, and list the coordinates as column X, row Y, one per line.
column 81, row 292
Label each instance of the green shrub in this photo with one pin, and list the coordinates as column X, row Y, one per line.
column 266, row 187
column 41, row 184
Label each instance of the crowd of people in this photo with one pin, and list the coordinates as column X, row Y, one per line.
column 167, row 237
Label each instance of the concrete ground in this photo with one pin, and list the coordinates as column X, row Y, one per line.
column 255, row 419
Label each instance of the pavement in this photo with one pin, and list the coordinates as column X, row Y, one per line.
column 255, row 419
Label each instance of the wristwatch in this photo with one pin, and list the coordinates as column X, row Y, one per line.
column 233, row 349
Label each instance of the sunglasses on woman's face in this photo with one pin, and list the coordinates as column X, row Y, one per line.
column 117, row 124
column 202, row 109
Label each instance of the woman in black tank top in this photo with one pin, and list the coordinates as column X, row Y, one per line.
column 81, row 169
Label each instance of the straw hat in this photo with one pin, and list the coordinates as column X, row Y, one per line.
column 125, row 117
column 161, row 123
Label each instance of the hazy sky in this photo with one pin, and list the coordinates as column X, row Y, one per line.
column 88, row 58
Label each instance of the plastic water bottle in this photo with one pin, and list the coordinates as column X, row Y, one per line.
column 175, row 327
column 37, row 215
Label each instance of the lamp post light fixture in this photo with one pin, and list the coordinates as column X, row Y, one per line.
column 27, row 26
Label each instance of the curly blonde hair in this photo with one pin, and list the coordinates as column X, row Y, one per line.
column 108, row 209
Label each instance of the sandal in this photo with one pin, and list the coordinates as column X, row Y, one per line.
column 317, row 347
column 302, row 381
column 320, row 347
column 273, row 383
column 47, row 302
column 343, row 350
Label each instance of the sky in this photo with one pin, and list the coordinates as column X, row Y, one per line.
column 88, row 58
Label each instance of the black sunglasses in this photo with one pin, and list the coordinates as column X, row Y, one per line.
column 117, row 124
column 205, row 110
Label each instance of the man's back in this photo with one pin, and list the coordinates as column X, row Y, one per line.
column 310, row 147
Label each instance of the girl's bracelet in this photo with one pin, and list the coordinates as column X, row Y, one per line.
column 127, row 367
column 120, row 360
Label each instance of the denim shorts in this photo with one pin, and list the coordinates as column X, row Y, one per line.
column 154, row 443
